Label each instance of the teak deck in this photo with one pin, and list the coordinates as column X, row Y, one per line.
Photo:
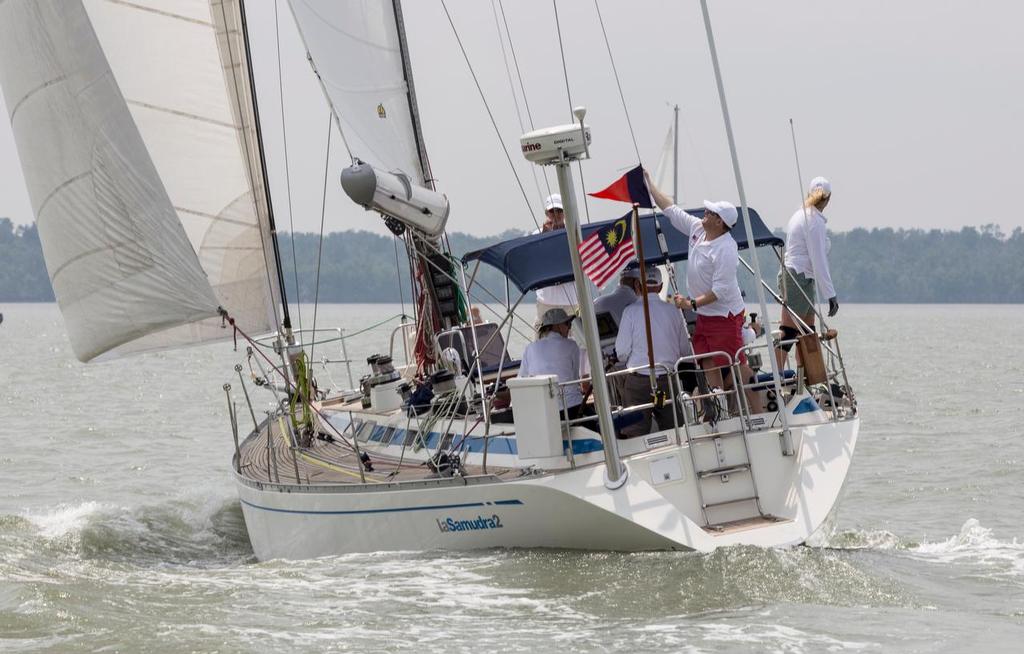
column 329, row 462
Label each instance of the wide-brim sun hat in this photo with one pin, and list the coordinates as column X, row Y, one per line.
column 724, row 210
column 555, row 316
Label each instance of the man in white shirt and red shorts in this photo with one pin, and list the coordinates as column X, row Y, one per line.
column 711, row 281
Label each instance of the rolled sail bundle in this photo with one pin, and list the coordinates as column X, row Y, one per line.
column 394, row 195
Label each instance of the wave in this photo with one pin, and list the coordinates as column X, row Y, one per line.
column 974, row 544
column 196, row 530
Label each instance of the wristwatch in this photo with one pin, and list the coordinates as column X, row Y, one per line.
column 693, row 303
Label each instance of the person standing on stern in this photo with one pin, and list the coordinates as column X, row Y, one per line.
column 806, row 264
column 712, row 285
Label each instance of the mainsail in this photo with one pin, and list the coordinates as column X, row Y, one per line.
column 356, row 49
column 135, row 126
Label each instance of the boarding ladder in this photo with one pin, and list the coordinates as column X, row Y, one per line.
column 715, row 457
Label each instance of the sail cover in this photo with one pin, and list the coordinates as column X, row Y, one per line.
column 133, row 122
column 355, row 48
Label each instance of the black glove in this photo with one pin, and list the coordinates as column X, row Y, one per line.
column 833, row 306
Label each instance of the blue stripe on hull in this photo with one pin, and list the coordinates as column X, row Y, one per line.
column 434, row 507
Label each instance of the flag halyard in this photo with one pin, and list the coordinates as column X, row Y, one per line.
column 605, row 252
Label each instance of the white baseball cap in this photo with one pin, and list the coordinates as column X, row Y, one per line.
column 726, row 211
column 822, row 183
column 553, row 201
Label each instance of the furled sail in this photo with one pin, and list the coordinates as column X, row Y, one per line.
column 135, row 126
column 356, row 49
column 665, row 172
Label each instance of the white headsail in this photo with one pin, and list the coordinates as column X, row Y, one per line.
column 355, row 47
column 135, row 126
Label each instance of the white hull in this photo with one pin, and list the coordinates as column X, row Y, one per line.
column 566, row 509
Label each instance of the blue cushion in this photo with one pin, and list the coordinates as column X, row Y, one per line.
column 767, row 376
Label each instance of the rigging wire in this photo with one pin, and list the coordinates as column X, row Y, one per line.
column 320, row 244
column 515, row 100
column 522, row 87
column 490, row 114
column 287, row 171
column 618, row 83
column 398, row 274
column 568, row 95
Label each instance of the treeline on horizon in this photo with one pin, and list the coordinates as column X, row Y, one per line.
column 972, row 265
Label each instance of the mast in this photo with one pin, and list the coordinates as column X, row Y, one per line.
column 786, row 436
column 414, row 112
column 675, row 154
column 286, row 318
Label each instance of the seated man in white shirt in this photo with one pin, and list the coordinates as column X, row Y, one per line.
column 554, row 353
column 668, row 336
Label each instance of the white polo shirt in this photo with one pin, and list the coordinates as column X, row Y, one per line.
column 710, row 265
column 807, row 243
column 553, row 354
column 668, row 334
column 559, row 295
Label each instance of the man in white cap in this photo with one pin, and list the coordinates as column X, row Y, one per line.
column 554, row 353
column 560, row 295
column 806, row 263
column 668, row 336
column 711, row 282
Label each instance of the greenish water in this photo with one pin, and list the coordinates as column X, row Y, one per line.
column 120, row 529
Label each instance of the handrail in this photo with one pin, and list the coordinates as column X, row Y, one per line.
column 405, row 347
column 832, row 370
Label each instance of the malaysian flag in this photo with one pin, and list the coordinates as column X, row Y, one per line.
column 606, row 251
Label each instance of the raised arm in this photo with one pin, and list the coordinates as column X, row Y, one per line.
column 663, row 201
column 681, row 220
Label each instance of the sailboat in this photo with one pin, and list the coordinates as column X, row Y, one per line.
column 121, row 135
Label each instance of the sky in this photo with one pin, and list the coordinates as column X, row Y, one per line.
column 912, row 109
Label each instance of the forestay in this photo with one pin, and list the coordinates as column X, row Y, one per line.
column 356, row 49
column 134, row 124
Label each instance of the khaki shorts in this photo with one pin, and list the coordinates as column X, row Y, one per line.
column 797, row 290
